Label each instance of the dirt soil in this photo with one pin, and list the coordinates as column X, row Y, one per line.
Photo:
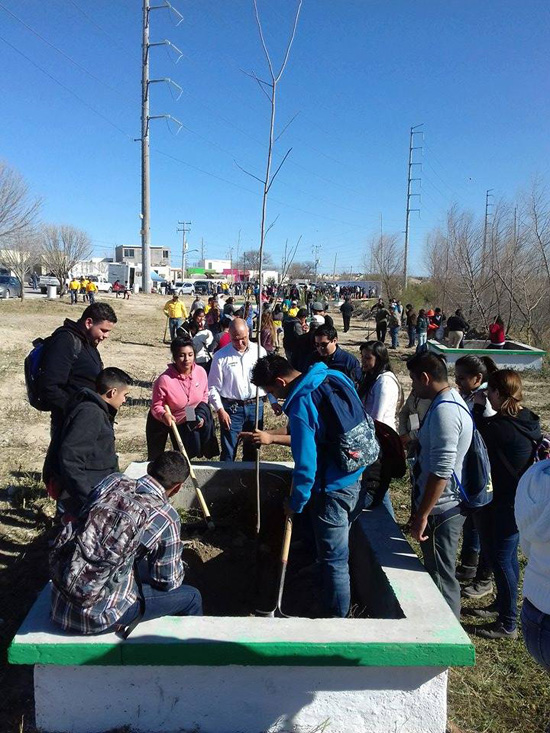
column 222, row 564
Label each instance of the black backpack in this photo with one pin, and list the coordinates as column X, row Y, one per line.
column 33, row 370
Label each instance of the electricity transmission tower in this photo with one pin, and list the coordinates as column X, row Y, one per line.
column 145, row 119
column 488, row 205
column 414, row 131
column 184, row 225
column 315, row 249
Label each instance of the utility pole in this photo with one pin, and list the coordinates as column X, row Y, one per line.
column 202, row 251
column 414, row 131
column 145, row 170
column 334, row 268
column 237, row 255
column 315, row 249
column 488, row 204
column 231, row 262
column 183, row 229
column 145, row 119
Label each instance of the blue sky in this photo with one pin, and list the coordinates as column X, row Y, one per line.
column 360, row 74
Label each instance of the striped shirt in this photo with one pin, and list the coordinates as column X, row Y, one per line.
column 161, row 548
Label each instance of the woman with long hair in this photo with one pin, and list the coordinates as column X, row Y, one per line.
column 184, row 388
column 268, row 332
column 379, row 389
column 202, row 339
column 511, row 436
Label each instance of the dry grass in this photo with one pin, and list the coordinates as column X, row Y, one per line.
column 504, row 692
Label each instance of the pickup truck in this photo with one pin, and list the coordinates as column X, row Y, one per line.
column 103, row 285
column 45, row 280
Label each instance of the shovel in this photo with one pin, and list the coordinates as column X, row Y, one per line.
column 287, row 536
column 182, row 450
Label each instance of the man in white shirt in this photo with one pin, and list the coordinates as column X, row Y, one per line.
column 231, row 392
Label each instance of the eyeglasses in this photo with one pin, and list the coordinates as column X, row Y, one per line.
column 322, row 344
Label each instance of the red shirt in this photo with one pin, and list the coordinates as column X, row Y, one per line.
column 497, row 334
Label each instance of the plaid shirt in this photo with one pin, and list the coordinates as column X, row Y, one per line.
column 161, row 548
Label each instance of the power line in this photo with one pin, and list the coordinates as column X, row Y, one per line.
column 62, row 53
column 67, row 89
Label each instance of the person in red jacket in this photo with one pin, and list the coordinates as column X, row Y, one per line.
column 497, row 335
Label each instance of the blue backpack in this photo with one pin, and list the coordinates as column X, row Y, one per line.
column 476, row 487
column 347, row 431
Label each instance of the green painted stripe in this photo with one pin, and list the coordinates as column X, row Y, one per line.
column 65, row 654
column 294, row 654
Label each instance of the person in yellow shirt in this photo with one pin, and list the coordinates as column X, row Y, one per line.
column 83, row 283
column 74, row 287
column 293, row 310
column 91, row 290
column 175, row 311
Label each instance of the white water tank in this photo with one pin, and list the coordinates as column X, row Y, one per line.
column 52, row 292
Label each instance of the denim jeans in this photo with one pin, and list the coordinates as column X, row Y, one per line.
column 470, row 540
column 439, row 553
column 499, row 534
column 242, row 418
column 412, row 336
column 394, row 333
column 74, row 296
column 174, row 324
column 332, row 513
column 182, row 601
column 536, row 633
column 422, row 337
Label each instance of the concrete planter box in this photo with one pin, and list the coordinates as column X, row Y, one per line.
column 516, row 355
column 248, row 674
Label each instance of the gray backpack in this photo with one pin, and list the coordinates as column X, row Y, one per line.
column 91, row 557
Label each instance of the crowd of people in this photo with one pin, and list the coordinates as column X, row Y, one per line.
column 345, row 418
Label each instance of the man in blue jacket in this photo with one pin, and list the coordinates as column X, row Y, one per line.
column 330, row 353
column 331, row 493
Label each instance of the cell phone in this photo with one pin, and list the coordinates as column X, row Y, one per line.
column 190, row 414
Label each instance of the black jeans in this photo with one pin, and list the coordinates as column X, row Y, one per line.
column 346, row 320
column 381, row 329
column 201, row 442
column 439, row 553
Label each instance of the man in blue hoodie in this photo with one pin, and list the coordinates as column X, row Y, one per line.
column 319, row 480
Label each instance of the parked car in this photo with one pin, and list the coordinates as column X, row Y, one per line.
column 10, row 287
column 184, row 287
column 203, row 287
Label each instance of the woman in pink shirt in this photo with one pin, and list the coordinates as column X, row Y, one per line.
column 184, row 388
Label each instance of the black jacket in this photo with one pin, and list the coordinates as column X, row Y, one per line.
column 85, row 451
column 70, row 362
column 511, row 444
column 456, row 323
column 346, row 308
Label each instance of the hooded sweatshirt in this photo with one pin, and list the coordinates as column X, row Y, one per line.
column 510, row 443
column 533, row 520
column 86, row 449
column 304, row 423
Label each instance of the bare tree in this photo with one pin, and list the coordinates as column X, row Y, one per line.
column 22, row 252
column 253, row 262
column 62, row 247
column 302, row 270
column 18, row 209
column 386, row 255
column 288, row 258
column 269, row 89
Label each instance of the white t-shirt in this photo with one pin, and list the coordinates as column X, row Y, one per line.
column 381, row 401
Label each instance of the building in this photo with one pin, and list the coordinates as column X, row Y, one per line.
column 98, row 266
column 215, row 266
column 160, row 256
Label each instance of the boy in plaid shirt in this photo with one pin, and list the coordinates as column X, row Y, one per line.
column 163, row 572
